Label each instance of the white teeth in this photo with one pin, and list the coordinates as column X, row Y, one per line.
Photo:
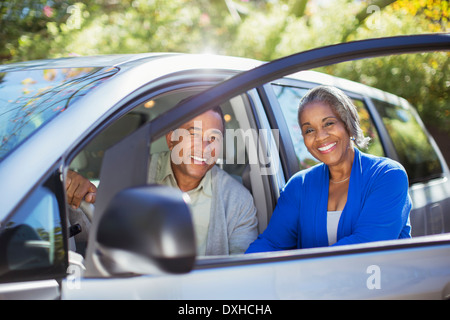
column 327, row 147
column 198, row 158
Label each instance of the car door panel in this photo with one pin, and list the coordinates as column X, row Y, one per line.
column 391, row 270
column 261, row 75
column 403, row 269
column 31, row 290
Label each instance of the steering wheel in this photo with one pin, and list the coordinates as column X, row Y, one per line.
column 88, row 210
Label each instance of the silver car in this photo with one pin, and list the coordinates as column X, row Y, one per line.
column 102, row 116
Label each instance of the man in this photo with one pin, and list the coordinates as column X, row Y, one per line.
column 223, row 212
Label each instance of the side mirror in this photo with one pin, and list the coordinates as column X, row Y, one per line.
column 146, row 230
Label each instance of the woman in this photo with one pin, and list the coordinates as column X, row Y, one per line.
column 351, row 197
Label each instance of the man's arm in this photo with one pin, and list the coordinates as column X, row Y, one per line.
column 246, row 229
column 79, row 188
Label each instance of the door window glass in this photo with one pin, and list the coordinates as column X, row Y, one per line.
column 412, row 144
column 31, row 242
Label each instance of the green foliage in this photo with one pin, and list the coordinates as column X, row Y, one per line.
column 23, row 27
column 421, row 78
column 260, row 29
column 127, row 26
column 259, row 35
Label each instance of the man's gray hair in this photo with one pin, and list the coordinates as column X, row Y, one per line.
column 342, row 105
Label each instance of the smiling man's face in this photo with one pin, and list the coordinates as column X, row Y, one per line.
column 195, row 147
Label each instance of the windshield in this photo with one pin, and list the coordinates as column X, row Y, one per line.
column 31, row 98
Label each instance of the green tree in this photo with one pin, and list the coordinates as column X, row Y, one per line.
column 261, row 29
column 422, row 79
column 21, row 20
column 101, row 27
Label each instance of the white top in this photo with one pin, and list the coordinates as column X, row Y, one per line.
column 200, row 199
column 332, row 225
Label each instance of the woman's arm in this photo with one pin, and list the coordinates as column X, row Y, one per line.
column 385, row 213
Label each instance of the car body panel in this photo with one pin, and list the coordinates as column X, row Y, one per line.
column 30, row 290
column 403, row 269
column 410, row 268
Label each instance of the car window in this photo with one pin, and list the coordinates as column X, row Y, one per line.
column 412, row 144
column 289, row 98
column 88, row 162
column 31, row 98
column 238, row 142
column 31, row 241
column 234, row 159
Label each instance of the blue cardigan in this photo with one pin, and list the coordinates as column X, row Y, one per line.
column 377, row 208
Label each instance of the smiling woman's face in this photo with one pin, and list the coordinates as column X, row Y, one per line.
column 324, row 134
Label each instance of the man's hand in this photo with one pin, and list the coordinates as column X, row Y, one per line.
column 79, row 188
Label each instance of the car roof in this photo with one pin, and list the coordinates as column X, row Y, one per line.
column 111, row 60
column 125, row 61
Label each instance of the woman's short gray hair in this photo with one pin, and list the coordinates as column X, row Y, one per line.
column 342, row 105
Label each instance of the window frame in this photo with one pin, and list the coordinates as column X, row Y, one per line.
column 159, row 125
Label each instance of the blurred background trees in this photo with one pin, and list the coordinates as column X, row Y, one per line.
column 260, row 29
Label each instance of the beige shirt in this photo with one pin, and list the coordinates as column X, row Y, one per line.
column 200, row 199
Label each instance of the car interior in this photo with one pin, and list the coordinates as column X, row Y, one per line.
column 234, row 160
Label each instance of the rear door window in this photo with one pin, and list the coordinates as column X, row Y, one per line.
column 411, row 142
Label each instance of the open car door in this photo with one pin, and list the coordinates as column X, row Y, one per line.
column 297, row 273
